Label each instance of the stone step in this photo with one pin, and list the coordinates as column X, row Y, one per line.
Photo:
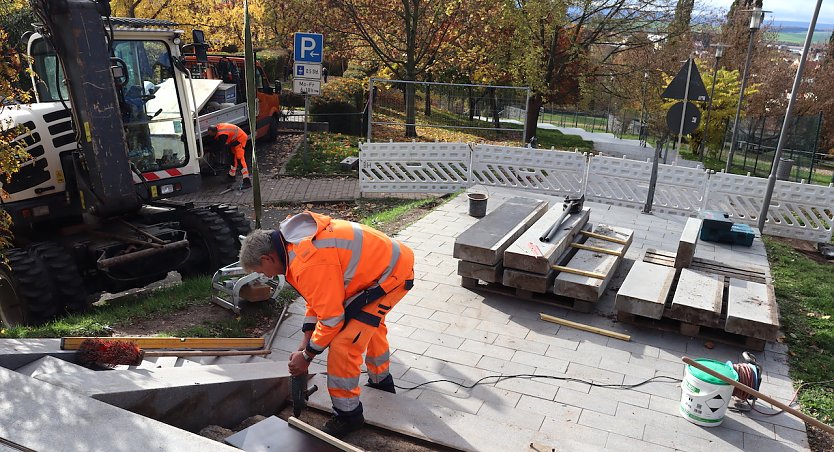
column 698, row 299
column 48, row 417
column 437, row 424
column 587, row 288
column 531, row 255
column 752, row 310
column 645, row 290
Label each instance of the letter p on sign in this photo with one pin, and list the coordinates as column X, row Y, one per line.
column 308, row 47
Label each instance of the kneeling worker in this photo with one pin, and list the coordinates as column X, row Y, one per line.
column 234, row 138
column 350, row 275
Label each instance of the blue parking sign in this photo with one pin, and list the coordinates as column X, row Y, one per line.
column 308, row 47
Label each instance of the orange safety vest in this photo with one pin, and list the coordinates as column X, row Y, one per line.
column 232, row 132
column 338, row 267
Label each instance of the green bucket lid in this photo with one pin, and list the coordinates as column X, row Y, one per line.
column 719, row 367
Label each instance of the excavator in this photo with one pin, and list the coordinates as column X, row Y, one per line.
column 113, row 137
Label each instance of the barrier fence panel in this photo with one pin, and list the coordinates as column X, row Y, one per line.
column 618, row 181
column 680, row 189
column 414, row 167
column 801, row 211
column 555, row 173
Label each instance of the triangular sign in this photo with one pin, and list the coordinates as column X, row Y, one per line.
column 677, row 88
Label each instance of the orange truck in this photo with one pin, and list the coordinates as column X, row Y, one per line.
column 231, row 69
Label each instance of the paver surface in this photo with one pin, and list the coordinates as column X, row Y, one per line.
column 443, row 331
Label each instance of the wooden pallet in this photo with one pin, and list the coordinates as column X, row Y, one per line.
column 738, row 271
column 544, row 298
column 687, row 329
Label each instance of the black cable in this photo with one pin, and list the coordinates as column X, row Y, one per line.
column 660, row 378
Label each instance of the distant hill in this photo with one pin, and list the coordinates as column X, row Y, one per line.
column 793, row 32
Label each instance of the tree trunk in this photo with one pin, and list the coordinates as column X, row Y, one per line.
column 493, row 97
column 427, row 109
column 533, row 108
column 410, row 112
column 471, row 103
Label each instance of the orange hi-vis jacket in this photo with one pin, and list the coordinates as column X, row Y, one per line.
column 233, row 133
column 338, row 266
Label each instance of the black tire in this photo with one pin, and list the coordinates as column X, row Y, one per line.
column 26, row 295
column 272, row 135
column 235, row 220
column 211, row 242
column 72, row 296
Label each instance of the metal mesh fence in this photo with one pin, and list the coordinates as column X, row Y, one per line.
column 756, row 143
column 409, row 108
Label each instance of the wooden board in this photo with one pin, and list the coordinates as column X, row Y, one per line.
column 645, row 290
column 548, row 298
column 752, row 310
column 686, row 245
column 485, row 241
column 194, row 343
column 488, row 273
column 744, row 272
column 686, row 329
column 541, row 255
column 588, row 288
column 698, row 299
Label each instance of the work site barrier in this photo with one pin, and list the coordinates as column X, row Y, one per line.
column 797, row 210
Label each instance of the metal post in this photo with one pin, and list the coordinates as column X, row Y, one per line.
column 685, row 102
column 370, row 106
column 730, row 155
column 771, row 181
column 653, row 180
column 709, row 108
column 306, row 143
column 526, row 116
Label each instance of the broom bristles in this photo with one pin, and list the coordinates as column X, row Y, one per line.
column 109, row 352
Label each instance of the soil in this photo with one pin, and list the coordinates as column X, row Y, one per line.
column 806, row 248
column 819, row 440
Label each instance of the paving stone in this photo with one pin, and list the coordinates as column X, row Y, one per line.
column 493, row 396
column 409, row 360
column 791, row 436
column 418, row 322
column 487, row 349
column 597, row 375
column 504, row 367
column 569, row 436
column 453, row 355
column 407, row 344
column 510, row 329
column 433, row 337
column 532, row 387
column 399, row 329
column 660, row 421
column 540, row 362
column 456, row 319
column 620, row 443
column 442, row 306
column 614, row 424
column 487, row 313
column 555, row 410
column 521, row 344
column 469, row 374
column 504, row 413
column 635, row 348
column 458, row 402
column 552, row 340
column 418, row 376
column 583, row 400
column 755, row 442
column 469, row 333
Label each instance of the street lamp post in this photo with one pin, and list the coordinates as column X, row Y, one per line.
column 643, row 111
column 756, row 19
column 719, row 53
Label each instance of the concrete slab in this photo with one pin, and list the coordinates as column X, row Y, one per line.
column 645, row 289
column 488, row 273
column 698, row 298
column 752, row 310
column 531, row 255
column 42, row 416
column 15, row 353
column 686, row 246
column 589, row 288
column 273, row 433
column 486, row 240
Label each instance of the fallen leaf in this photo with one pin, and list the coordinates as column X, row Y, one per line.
column 709, row 344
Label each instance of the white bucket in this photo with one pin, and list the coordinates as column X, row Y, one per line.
column 704, row 398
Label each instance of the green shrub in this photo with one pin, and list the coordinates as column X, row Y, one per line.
column 274, row 63
column 341, row 104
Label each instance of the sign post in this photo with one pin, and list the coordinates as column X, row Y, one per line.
column 308, row 51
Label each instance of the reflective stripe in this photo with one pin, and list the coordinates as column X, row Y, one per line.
column 346, row 383
column 345, row 404
column 332, row 321
column 315, row 347
column 378, row 360
column 395, row 256
column 290, row 256
column 311, row 319
column 353, row 264
column 227, row 129
column 377, row 377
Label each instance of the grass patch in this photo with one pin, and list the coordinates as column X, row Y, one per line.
column 553, row 138
column 804, row 289
column 327, row 150
column 397, row 209
column 101, row 318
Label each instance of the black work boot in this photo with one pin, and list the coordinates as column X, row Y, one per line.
column 247, row 183
column 230, row 177
column 341, row 424
column 387, row 384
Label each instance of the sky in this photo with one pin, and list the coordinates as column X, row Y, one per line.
column 784, row 10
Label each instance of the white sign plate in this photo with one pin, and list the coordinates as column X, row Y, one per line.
column 311, row 71
column 304, row 86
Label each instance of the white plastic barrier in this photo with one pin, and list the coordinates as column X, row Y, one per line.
column 414, row 167
column 799, row 211
column 556, row 173
column 623, row 182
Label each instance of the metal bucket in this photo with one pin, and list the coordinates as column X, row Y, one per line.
column 477, row 204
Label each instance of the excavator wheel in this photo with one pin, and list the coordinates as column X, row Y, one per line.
column 25, row 289
column 211, row 242
column 235, row 220
column 69, row 287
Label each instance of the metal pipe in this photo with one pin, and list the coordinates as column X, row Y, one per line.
column 771, row 181
column 127, row 239
column 551, row 231
column 145, row 233
column 104, row 264
column 740, row 101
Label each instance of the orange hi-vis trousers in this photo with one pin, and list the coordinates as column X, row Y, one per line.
column 238, row 158
column 344, row 360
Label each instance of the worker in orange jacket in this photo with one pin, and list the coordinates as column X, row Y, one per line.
column 351, row 276
column 234, row 138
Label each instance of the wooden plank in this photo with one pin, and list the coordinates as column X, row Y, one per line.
column 752, row 310
column 579, row 272
column 686, row 245
column 702, row 332
column 538, row 258
column 332, row 440
column 698, row 299
column 596, row 249
column 488, row 273
column 583, row 327
column 595, row 235
column 599, row 267
column 194, row 343
column 645, row 290
column 485, row 241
